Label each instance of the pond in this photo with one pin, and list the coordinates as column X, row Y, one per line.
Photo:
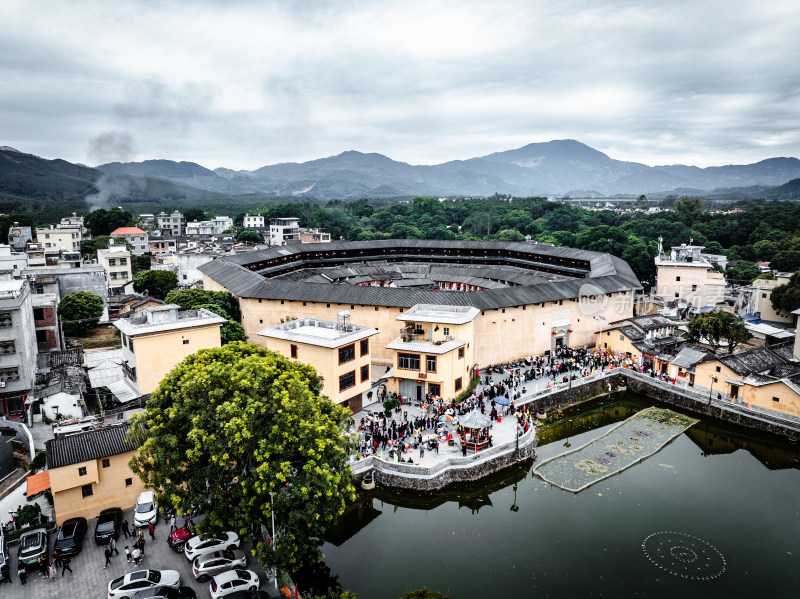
column 719, row 502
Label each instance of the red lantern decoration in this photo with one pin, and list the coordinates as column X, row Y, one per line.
column 569, row 330
column 555, row 332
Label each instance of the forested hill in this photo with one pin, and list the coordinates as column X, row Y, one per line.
column 49, row 189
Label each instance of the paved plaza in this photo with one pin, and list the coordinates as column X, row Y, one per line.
column 90, row 580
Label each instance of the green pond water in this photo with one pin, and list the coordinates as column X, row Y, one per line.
column 719, row 491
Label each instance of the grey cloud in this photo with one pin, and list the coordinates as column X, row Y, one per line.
column 171, row 108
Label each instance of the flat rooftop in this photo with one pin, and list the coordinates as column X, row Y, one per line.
column 439, row 313
column 315, row 331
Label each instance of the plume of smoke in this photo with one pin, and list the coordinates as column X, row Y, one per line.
column 112, row 146
column 112, row 189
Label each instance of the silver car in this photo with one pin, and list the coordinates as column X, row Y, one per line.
column 207, row 565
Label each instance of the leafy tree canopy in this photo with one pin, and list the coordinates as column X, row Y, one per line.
column 785, row 298
column 230, row 331
column 194, row 214
column 189, row 299
column 103, row 222
column 78, row 310
column 742, row 272
column 245, row 433
column 141, row 262
column 714, row 327
column 157, row 283
column 249, row 236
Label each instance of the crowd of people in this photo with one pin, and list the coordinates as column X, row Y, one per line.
column 399, row 434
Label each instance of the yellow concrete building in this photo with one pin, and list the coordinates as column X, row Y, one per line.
column 764, row 377
column 686, row 275
column 159, row 338
column 434, row 353
column 761, row 304
column 89, row 472
column 530, row 298
column 646, row 340
column 338, row 350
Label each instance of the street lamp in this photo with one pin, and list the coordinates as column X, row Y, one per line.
column 600, row 319
column 711, row 391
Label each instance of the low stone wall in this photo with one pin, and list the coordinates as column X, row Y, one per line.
column 450, row 470
column 715, row 409
column 460, row 469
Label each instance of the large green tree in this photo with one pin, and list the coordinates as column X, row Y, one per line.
column 231, row 330
column 786, row 298
column 742, row 272
column 189, row 299
column 717, row 326
column 156, row 283
column 78, row 311
column 249, row 236
column 245, row 433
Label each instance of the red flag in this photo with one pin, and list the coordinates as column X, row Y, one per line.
column 296, row 594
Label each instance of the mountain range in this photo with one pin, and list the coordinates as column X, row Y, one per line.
column 551, row 168
column 555, row 168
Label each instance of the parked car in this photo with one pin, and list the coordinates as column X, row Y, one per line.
column 248, row 595
column 163, row 592
column 146, row 511
column 125, row 586
column 178, row 537
column 109, row 523
column 208, row 564
column 235, row 580
column 32, row 545
column 70, row 536
column 208, row 544
column 4, row 556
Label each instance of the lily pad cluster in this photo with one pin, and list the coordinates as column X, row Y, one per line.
column 628, row 443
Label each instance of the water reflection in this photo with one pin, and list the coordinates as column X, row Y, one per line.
column 547, row 541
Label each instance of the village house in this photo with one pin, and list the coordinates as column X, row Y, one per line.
column 432, row 354
column 89, row 472
column 338, row 350
column 157, row 339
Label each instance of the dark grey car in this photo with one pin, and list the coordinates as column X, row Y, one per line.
column 32, row 545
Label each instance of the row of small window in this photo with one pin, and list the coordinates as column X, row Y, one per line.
column 348, row 352
column 122, row 275
column 87, row 491
column 348, row 380
column 126, row 341
column 413, row 361
column 113, row 261
column 82, row 469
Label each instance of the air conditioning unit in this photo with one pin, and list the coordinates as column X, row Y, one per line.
column 2, row 384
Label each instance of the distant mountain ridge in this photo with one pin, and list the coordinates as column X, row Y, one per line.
column 549, row 168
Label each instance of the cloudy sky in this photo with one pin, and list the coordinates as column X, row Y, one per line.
column 243, row 84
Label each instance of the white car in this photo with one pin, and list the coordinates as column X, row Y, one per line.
column 125, row 586
column 204, row 544
column 231, row 581
column 146, row 511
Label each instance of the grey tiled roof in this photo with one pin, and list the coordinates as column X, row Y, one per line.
column 242, row 274
column 758, row 359
column 91, row 445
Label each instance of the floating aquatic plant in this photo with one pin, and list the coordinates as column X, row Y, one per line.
column 626, row 444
